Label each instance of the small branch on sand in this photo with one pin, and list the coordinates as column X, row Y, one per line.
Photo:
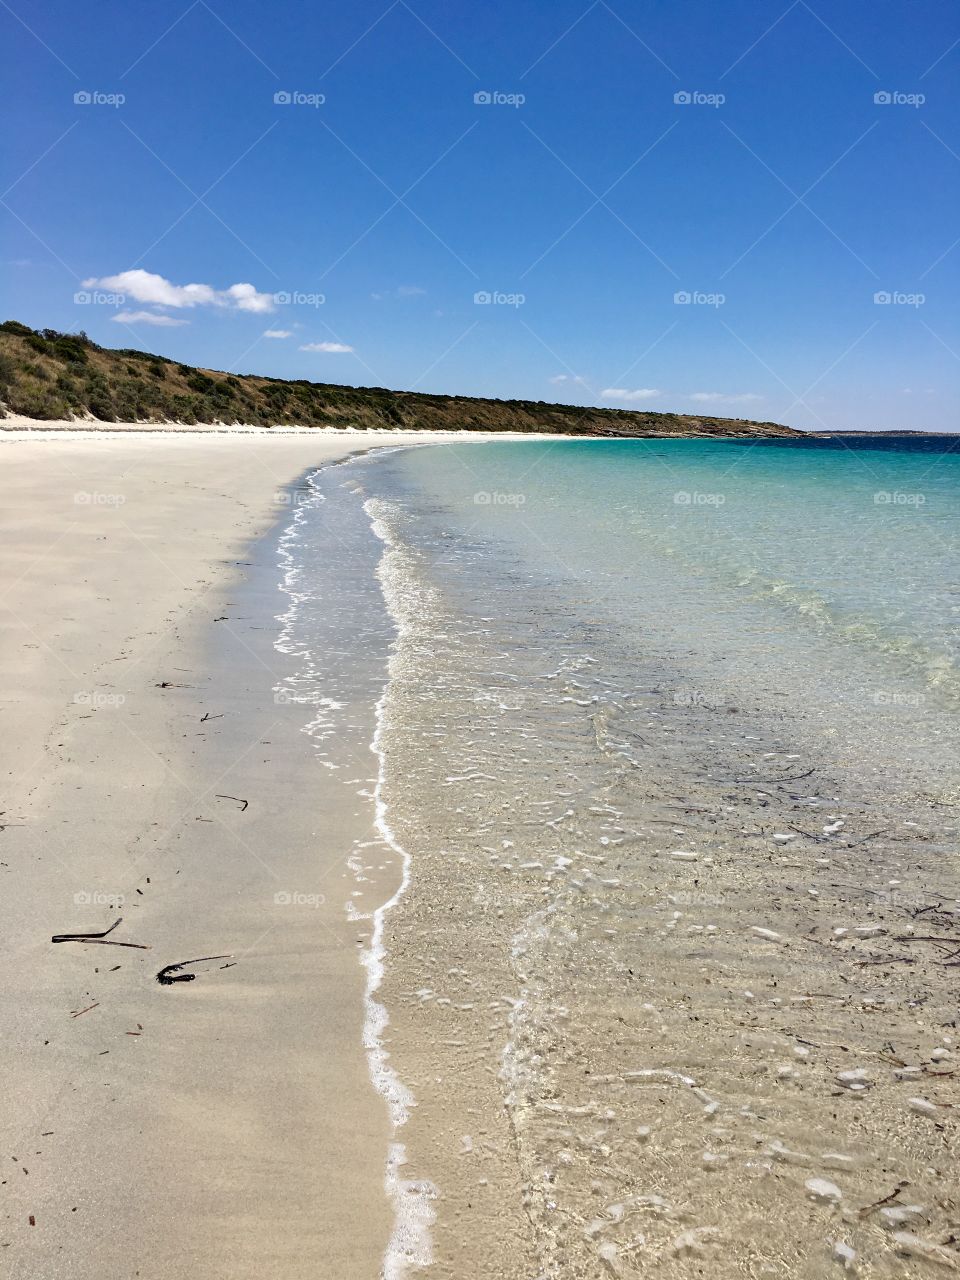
column 207, row 716
column 878, row 1204
column 863, row 839
column 242, row 803
column 100, row 939
column 795, row 777
column 790, row 777
column 810, row 835
column 77, row 1012
column 171, row 972
column 926, row 937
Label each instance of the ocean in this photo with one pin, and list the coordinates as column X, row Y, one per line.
column 667, row 745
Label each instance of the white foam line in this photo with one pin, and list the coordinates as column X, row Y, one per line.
column 410, row 1244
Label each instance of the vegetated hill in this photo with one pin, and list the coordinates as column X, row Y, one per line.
column 50, row 375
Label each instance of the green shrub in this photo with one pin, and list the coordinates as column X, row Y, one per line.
column 200, row 382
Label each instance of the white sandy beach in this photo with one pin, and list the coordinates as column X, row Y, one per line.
column 202, row 1130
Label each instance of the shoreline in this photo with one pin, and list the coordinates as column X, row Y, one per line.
column 117, row 631
column 299, row 1104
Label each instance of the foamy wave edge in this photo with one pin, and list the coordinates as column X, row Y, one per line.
column 410, row 1242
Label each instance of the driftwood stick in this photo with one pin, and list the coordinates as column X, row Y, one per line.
column 171, row 972
column 99, row 939
column 85, row 937
column 869, row 1208
column 78, row 1012
column 242, row 803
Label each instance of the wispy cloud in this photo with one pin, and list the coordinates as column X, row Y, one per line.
column 154, row 290
column 148, row 317
column 719, row 397
column 628, row 396
column 336, row 348
column 278, row 333
column 568, row 377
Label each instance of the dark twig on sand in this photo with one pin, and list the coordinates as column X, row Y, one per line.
column 794, row 777
column 100, row 939
column 878, row 1204
column 171, row 972
column 242, row 803
column 78, row 1012
column 863, row 839
column 811, row 835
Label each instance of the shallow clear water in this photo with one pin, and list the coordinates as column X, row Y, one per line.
column 821, row 579
column 668, row 747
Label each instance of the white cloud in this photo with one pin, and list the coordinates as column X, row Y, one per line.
column 333, row 347
column 246, row 298
column 622, row 393
column 147, row 287
column 718, row 397
column 568, row 377
column 278, row 333
column 147, row 317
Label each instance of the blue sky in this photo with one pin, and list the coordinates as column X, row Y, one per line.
column 667, row 205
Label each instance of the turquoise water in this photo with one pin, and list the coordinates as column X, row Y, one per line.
column 667, row 745
column 816, row 581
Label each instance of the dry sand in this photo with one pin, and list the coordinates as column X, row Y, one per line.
column 226, row 1127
